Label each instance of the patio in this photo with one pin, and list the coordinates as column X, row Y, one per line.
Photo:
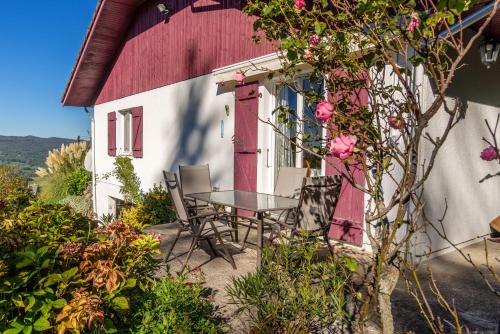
column 458, row 281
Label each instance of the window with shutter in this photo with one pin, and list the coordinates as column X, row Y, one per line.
column 137, row 132
column 112, row 134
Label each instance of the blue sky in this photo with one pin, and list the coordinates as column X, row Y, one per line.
column 39, row 44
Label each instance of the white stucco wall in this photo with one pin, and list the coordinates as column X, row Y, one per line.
column 458, row 169
column 182, row 125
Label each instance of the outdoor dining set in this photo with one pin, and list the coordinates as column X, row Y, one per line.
column 298, row 204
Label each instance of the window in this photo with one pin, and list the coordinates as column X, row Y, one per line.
column 286, row 152
column 126, row 132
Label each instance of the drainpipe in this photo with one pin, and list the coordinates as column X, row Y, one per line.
column 93, row 148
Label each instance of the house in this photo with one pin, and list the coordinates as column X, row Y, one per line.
column 162, row 90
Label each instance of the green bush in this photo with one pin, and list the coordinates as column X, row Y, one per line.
column 11, row 180
column 77, row 181
column 175, row 307
column 78, row 204
column 52, row 188
column 60, row 272
column 295, row 292
column 158, row 206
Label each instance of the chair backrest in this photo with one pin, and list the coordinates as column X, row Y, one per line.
column 317, row 202
column 195, row 179
column 177, row 197
column 289, row 181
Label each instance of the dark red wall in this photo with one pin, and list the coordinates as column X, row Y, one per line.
column 197, row 38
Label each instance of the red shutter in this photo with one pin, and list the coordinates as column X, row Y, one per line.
column 348, row 219
column 137, row 132
column 112, row 134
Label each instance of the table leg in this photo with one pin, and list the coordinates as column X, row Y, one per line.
column 234, row 214
column 260, row 237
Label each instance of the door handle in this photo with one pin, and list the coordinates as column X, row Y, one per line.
column 267, row 158
column 249, row 151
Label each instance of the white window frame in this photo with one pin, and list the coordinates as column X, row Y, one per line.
column 125, row 140
column 300, row 113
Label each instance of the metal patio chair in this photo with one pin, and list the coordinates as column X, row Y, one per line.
column 202, row 227
column 195, row 179
column 317, row 202
column 288, row 184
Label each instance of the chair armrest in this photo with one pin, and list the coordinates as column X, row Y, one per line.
column 204, row 215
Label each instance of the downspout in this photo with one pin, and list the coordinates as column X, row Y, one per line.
column 93, row 148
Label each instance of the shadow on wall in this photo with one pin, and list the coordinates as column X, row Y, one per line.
column 474, row 82
column 458, row 167
column 194, row 121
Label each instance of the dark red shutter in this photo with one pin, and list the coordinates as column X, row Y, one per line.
column 112, row 134
column 137, row 132
column 348, row 219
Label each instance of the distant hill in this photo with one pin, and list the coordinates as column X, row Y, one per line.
column 29, row 152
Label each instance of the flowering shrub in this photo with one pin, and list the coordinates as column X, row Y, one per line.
column 59, row 271
column 371, row 57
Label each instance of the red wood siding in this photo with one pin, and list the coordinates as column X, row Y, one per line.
column 196, row 39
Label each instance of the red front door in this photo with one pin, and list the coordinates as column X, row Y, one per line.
column 245, row 137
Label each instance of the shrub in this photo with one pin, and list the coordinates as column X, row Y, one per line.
column 158, row 204
column 52, row 188
column 175, row 307
column 130, row 184
column 77, row 181
column 78, row 204
column 65, row 159
column 60, row 272
column 11, row 180
column 294, row 292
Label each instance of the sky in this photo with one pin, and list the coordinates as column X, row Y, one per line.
column 39, row 43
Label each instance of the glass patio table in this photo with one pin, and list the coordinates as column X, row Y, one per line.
column 249, row 201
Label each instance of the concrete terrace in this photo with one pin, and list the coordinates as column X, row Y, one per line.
column 457, row 280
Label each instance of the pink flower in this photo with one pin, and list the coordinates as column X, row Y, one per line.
column 240, row 77
column 414, row 22
column 396, row 122
column 314, row 40
column 308, row 55
column 324, row 110
column 490, row 153
column 343, row 146
column 299, row 4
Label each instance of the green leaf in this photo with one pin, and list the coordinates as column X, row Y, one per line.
column 319, row 27
column 27, row 329
column 52, row 279
column 109, row 327
column 31, row 302
column 120, row 303
column 13, row 330
column 351, row 264
column 18, row 300
column 42, row 324
column 130, row 283
column 68, row 274
column 59, row 303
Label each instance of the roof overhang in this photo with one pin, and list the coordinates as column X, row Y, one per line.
column 104, row 37
column 109, row 26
